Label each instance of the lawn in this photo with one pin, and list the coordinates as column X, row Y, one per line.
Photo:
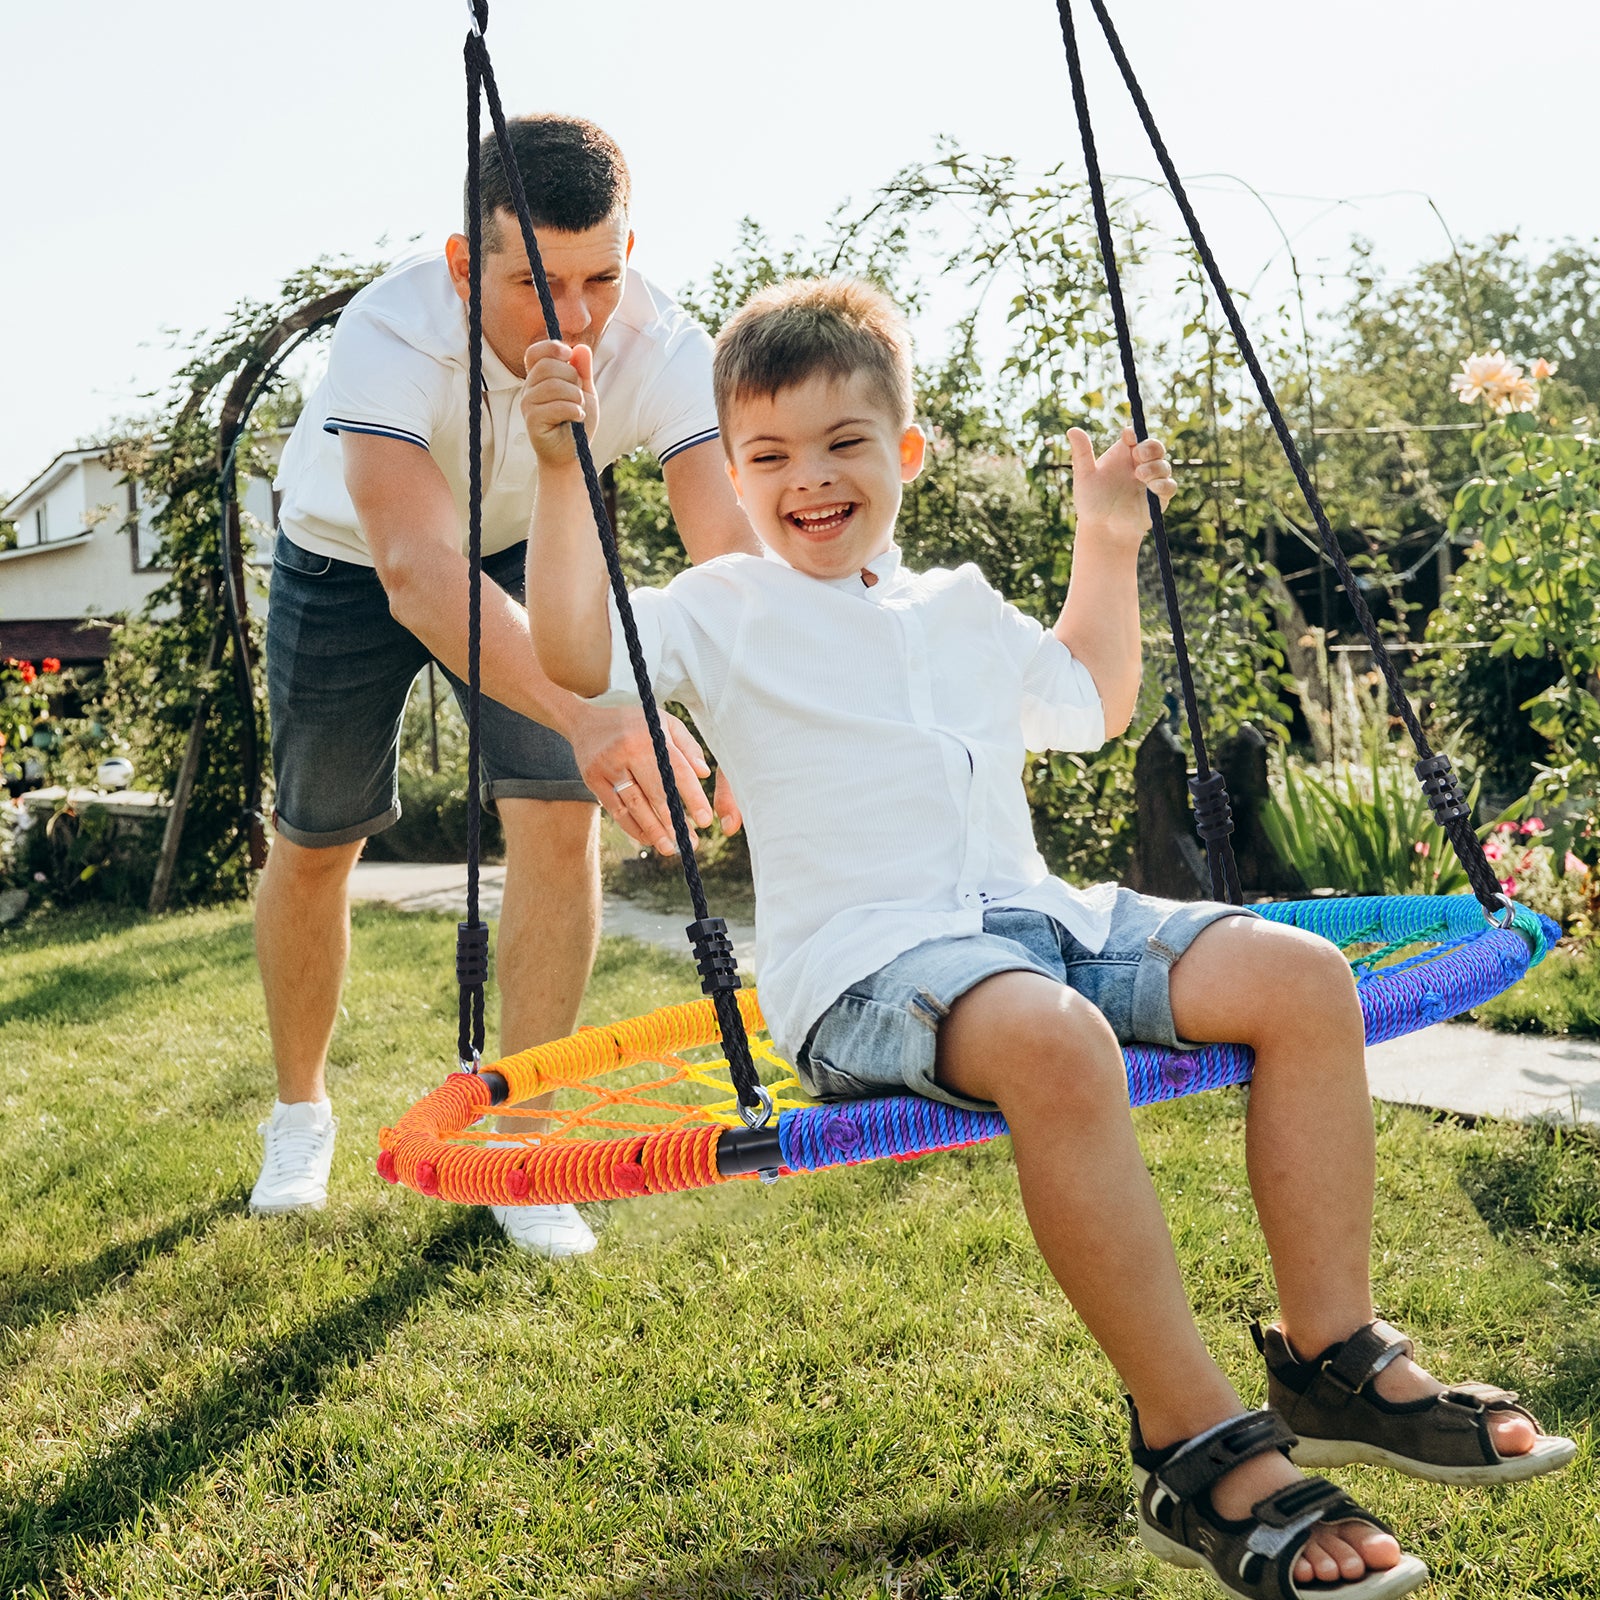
column 855, row 1384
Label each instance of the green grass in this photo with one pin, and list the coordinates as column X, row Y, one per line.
column 856, row 1384
column 1560, row 995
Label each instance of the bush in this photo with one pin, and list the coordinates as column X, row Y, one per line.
column 433, row 822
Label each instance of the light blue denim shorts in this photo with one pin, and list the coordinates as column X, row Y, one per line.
column 880, row 1036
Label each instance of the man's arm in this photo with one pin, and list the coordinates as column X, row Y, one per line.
column 709, row 518
column 409, row 518
column 1099, row 623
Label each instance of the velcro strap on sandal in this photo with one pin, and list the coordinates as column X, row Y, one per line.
column 1483, row 1397
column 1283, row 1521
column 1358, row 1361
column 1201, row 1461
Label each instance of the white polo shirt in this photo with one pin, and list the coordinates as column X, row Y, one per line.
column 398, row 369
column 875, row 737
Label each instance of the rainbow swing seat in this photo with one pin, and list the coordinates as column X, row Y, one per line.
column 650, row 1108
column 648, row 1115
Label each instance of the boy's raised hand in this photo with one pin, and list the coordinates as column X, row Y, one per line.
column 558, row 390
column 1109, row 493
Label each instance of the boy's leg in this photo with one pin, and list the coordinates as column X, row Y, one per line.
column 1050, row 1061
column 1290, row 996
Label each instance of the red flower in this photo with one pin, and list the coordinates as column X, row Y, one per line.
column 26, row 668
column 50, row 664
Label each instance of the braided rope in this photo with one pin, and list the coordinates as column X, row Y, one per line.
column 1456, row 823
column 1214, row 831
column 734, row 1040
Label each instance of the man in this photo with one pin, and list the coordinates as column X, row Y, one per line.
column 370, row 579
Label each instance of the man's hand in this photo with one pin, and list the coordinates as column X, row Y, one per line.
column 618, row 762
column 1109, row 494
column 558, row 391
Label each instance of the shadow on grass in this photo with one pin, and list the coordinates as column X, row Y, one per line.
column 82, row 991
column 972, row 1550
column 60, row 1291
column 150, row 1464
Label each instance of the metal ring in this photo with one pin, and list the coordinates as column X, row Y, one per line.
column 1510, row 913
column 472, row 12
column 760, row 1114
column 473, row 1065
column 627, row 783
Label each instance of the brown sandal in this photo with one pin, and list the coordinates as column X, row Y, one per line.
column 1340, row 1417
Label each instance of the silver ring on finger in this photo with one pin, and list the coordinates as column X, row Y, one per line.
column 627, row 783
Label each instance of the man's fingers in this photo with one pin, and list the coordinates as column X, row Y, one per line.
column 727, row 805
column 680, row 739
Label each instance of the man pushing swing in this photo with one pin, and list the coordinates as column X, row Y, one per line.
column 370, row 581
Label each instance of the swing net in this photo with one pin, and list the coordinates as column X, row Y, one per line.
column 694, row 1094
column 647, row 1106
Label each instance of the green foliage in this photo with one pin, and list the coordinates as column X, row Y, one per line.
column 1534, row 507
column 176, row 654
column 1365, row 830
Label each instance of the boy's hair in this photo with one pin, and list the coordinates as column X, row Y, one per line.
column 803, row 327
column 572, row 172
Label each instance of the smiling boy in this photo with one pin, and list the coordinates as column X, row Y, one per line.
column 874, row 722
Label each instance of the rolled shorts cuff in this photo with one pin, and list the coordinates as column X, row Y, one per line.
column 536, row 789
column 871, row 1028
column 1151, row 1007
column 324, row 841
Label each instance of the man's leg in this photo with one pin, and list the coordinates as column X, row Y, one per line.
column 549, row 930
column 550, row 918
column 302, row 947
column 1309, row 1140
column 1049, row 1060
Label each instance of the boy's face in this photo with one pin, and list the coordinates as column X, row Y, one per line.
column 818, row 469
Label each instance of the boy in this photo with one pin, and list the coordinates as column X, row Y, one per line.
column 874, row 722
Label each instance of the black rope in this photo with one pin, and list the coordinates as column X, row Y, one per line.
column 708, row 935
column 1213, row 818
column 472, row 936
column 1440, row 784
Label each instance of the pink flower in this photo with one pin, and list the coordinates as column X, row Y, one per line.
column 1573, row 864
column 1421, row 847
column 1492, row 851
column 1509, row 885
column 1505, row 827
column 1534, row 825
column 1542, row 369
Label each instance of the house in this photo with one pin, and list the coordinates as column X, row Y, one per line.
column 86, row 552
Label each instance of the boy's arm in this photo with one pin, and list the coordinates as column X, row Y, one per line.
column 1100, row 621
column 567, row 581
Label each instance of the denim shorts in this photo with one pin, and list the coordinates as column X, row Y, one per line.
column 880, row 1036
column 339, row 669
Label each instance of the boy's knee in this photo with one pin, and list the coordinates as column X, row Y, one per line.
column 1062, row 1062
column 1311, row 985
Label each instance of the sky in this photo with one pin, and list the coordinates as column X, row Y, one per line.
column 163, row 160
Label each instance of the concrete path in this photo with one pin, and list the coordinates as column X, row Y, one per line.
column 1450, row 1067
column 426, row 886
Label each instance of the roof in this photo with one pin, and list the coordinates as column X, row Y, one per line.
column 48, row 479
column 70, row 639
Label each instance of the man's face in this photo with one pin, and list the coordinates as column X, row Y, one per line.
column 818, row 468
column 586, row 272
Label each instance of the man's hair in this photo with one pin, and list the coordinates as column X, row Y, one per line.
column 572, row 172
column 803, row 327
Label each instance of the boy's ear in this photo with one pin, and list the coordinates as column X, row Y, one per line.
column 913, row 452
column 733, row 478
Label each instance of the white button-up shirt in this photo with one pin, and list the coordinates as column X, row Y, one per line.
column 875, row 737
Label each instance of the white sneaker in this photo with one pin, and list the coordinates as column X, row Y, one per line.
column 294, row 1169
column 553, row 1231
